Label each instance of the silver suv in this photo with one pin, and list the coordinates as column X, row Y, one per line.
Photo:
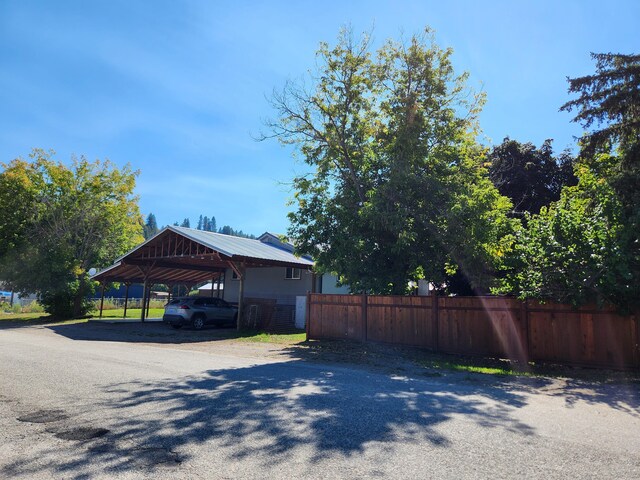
column 198, row 312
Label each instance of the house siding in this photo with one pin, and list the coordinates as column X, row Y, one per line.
column 330, row 285
column 268, row 283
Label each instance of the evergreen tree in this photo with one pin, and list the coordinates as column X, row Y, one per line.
column 199, row 227
column 185, row 223
column 150, row 227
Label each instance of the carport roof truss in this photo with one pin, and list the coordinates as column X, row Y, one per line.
column 184, row 255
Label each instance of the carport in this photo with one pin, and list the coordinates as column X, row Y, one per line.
column 184, row 256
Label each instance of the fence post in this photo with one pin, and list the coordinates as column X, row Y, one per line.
column 435, row 313
column 307, row 323
column 365, row 324
column 524, row 313
column 637, row 315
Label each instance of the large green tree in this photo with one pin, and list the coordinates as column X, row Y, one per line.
column 397, row 190
column 531, row 177
column 60, row 221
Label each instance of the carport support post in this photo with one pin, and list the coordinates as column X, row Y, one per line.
column 213, row 282
column 126, row 298
column 148, row 300
column 101, row 297
column 144, row 300
column 240, row 298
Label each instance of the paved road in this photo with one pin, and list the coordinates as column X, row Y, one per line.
column 73, row 408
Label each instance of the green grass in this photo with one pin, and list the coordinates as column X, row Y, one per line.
column 469, row 367
column 280, row 338
column 35, row 319
column 23, row 316
column 133, row 313
column 252, row 336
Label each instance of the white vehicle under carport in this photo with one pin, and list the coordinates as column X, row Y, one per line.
column 199, row 311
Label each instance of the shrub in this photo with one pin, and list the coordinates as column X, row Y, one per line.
column 33, row 307
column 65, row 304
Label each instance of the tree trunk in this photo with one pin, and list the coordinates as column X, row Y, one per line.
column 78, row 310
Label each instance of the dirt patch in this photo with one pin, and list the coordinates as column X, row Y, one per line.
column 43, row 416
column 82, row 433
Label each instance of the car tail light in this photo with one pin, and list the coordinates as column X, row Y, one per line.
column 184, row 307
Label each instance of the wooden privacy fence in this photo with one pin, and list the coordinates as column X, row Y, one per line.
column 492, row 326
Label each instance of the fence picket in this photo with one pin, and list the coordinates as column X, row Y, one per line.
column 496, row 326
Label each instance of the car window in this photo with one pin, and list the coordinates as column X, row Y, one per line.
column 199, row 301
column 212, row 302
column 175, row 301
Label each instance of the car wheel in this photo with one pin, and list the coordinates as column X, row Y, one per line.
column 177, row 327
column 198, row 322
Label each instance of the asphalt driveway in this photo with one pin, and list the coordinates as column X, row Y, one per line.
column 81, row 402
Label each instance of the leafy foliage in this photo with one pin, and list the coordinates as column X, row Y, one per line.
column 62, row 221
column 586, row 247
column 531, row 177
column 398, row 190
column 577, row 250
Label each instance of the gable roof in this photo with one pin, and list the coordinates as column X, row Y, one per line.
column 180, row 254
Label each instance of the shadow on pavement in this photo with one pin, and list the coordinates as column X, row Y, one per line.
column 299, row 411
column 622, row 396
column 137, row 332
column 275, row 413
column 618, row 390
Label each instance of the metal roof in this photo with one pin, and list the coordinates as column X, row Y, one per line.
column 241, row 247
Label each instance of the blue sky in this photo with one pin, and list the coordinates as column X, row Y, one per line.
column 177, row 89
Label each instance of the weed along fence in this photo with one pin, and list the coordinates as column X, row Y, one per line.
column 492, row 326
